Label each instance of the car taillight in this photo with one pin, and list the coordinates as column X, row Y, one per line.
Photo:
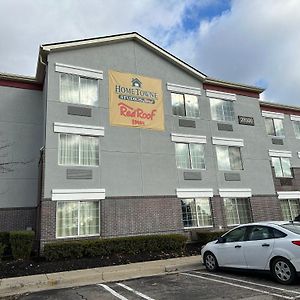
column 296, row 243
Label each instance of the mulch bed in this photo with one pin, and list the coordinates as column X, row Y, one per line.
column 10, row 268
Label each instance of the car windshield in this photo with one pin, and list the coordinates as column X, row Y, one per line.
column 293, row 227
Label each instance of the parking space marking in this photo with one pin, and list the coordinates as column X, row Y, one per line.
column 113, row 292
column 134, row 291
column 239, row 286
column 249, row 282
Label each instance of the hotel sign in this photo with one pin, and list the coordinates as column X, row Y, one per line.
column 135, row 101
column 246, row 120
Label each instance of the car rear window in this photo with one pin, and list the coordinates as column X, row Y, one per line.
column 293, row 227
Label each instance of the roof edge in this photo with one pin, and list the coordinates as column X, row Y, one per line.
column 233, row 85
column 280, row 107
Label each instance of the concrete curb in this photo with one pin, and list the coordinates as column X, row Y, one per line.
column 35, row 283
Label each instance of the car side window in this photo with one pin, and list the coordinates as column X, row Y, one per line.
column 260, row 233
column 278, row 234
column 236, row 235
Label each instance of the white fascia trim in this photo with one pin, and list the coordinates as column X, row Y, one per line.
column 295, row 118
column 183, row 89
column 91, row 73
column 78, row 129
column 220, row 95
column 227, row 141
column 77, row 194
column 270, row 114
column 194, row 193
column 235, row 193
column 277, row 153
column 188, row 138
column 289, row 195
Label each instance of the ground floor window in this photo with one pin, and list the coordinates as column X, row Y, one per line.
column 237, row 211
column 77, row 218
column 290, row 208
column 196, row 212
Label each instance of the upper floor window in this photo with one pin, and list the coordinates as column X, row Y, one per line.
column 237, row 210
column 196, row 212
column 189, row 156
column 185, row 105
column 297, row 129
column 222, row 110
column 282, row 166
column 274, row 127
column 229, row 158
column 78, row 90
column 78, row 150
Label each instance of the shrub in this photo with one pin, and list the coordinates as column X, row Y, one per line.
column 4, row 240
column 205, row 237
column 2, row 247
column 172, row 243
column 21, row 243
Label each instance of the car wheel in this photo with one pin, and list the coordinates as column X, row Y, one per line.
column 283, row 271
column 210, row 262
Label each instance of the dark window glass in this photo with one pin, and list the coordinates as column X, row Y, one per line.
column 260, row 233
column 236, row 235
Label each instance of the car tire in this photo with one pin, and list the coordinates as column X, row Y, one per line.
column 283, row 270
column 210, row 262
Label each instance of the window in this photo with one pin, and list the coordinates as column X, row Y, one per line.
column 77, row 218
column 185, row 105
column 78, row 150
column 237, row 210
column 274, row 127
column 222, row 110
column 282, row 166
column 260, row 233
column 236, row 235
column 78, row 90
column 229, row 158
column 297, row 129
column 189, row 156
column 290, row 208
column 196, row 212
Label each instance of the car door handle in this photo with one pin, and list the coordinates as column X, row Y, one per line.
column 238, row 246
column 265, row 245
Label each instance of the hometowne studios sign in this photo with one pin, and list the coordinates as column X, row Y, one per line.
column 135, row 101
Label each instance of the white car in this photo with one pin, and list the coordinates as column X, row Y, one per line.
column 270, row 246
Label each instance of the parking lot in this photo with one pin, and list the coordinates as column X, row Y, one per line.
column 197, row 284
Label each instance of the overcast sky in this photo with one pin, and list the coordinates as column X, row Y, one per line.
column 254, row 42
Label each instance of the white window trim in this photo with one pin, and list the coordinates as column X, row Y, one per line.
column 85, row 72
column 295, row 118
column 194, row 193
column 299, row 154
column 277, row 153
column 220, row 95
column 273, row 115
column 235, row 193
column 172, row 87
column 188, row 138
column 78, row 129
column 289, row 195
column 227, row 141
column 77, row 194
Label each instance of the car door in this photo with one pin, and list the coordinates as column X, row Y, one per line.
column 258, row 246
column 230, row 252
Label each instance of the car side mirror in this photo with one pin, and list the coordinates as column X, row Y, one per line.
column 221, row 240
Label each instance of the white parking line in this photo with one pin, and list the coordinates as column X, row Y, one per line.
column 239, row 286
column 113, row 292
column 249, row 282
column 134, row 291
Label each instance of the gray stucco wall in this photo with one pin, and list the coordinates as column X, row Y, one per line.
column 21, row 123
column 139, row 162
